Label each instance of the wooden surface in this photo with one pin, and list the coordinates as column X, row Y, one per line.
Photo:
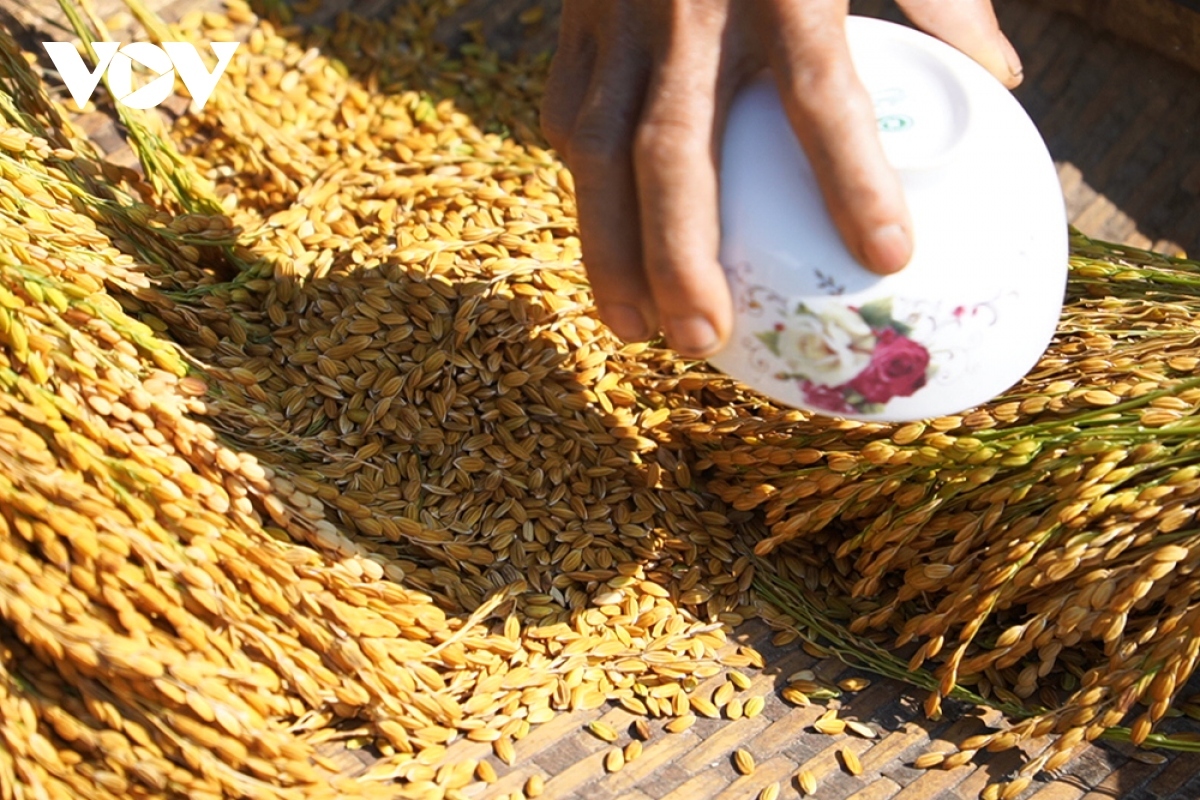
column 698, row 764
column 1123, row 125
column 1169, row 27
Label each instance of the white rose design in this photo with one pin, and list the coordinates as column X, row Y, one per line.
column 829, row 348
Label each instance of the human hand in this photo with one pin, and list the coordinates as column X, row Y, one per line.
column 636, row 104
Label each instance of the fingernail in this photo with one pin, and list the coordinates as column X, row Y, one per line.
column 626, row 321
column 693, row 336
column 1015, row 68
column 887, row 249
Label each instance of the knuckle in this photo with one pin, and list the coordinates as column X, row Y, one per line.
column 816, row 82
column 663, row 139
column 834, row 105
column 594, row 146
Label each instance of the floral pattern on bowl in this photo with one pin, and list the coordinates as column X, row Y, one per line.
column 839, row 350
column 847, row 358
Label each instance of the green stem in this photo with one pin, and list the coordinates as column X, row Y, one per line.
column 857, row 651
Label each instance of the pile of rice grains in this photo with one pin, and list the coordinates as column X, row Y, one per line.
column 310, row 431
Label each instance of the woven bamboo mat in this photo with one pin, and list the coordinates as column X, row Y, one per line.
column 1122, row 124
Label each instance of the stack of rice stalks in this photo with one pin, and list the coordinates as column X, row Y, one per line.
column 310, row 431
column 1041, row 550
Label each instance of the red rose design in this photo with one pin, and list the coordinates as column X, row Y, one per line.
column 826, row 398
column 897, row 368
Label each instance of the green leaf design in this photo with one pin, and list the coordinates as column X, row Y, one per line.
column 770, row 339
column 878, row 314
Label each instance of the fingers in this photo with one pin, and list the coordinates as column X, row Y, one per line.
column 598, row 150
column 971, row 26
column 675, row 165
column 567, row 83
column 645, row 173
column 635, row 102
column 834, row 118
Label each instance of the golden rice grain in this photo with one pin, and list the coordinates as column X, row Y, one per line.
column 743, row 761
column 740, row 681
column 794, row 696
column 808, row 687
column 957, row 759
column 850, row 761
column 807, row 781
column 704, row 707
column 602, row 731
column 1015, row 788
column 829, row 724
column 485, row 772
column 505, row 751
column 680, row 724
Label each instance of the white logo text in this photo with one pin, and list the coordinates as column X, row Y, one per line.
column 166, row 60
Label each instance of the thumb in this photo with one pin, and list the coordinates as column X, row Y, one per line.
column 970, row 26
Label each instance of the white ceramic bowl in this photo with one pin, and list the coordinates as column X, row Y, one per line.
column 977, row 305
